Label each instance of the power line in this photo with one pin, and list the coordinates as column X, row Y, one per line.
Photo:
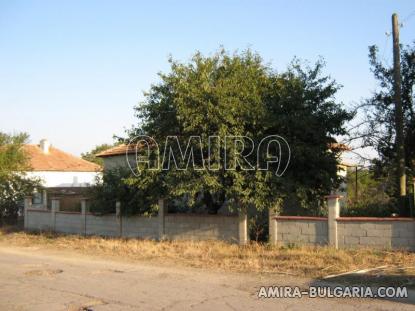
column 407, row 18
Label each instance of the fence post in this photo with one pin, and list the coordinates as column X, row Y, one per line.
column 54, row 208
column 243, row 227
column 27, row 206
column 272, row 226
column 118, row 216
column 83, row 216
column 45, row 199
column 334, row 212
column 413, row 198
column 161, row 214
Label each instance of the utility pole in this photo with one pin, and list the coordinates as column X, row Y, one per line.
column 400, row 148
column 356, row 193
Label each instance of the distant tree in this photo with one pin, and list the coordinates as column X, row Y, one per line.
column 372, row 198
column 91, row 155
column 14, row 182
column 239, row 95
column 369, row 188
column 377, row 128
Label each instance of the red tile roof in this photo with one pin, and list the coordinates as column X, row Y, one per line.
column 121, row 150
column 117, row 150
column 57, row 160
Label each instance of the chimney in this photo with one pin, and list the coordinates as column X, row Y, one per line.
column 44, row 145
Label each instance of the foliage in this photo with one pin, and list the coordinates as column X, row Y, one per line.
column 299, row 203
column 370, row 188
column 14, row 183
column 378, row 126
column 91, row 155
column 112, row 188
column 258, row 225
column 370, row 209
column 373, row 198
column 231, row 95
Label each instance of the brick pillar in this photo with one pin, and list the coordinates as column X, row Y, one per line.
column 243, row 228
column 54, row 209
column 118, row 216
column 272, row 227
column 83, row 216
column 27, row 206
column 161, row 213
column 334, row 213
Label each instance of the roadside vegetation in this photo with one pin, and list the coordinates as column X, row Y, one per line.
column 15, row 184
column 312, row 262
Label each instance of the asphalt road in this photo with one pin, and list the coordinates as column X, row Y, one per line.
column 34, row 279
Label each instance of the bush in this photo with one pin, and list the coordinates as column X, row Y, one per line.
column 258, row 225
column 114, row 187
column 364, row 209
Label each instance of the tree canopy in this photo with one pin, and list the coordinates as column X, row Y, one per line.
column 239, row 95
column 377, row 128
column 91, row 155
column 14, row 184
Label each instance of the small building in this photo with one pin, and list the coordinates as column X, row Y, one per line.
column 62, row 174
column 118, row 156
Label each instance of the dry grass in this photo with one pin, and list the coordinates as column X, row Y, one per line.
column 300, row 261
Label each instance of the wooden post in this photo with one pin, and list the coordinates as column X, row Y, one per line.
column 413, row 206
column 398, row 106
column 356, row 193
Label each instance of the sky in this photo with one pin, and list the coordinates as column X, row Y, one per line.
column 72, row 71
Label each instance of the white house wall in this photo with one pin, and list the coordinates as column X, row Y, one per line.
column 65, row 179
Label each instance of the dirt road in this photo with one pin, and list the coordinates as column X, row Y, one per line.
column 35, row 279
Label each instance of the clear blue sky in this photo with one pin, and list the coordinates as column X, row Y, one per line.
column 71, row 71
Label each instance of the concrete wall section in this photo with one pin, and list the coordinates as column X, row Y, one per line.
column 302, row 231
column 202, row 227
column 382, row 233
column 375, row 233
column 163, row 226
column 38, row 220
column 66, row 222
column 106, row 225
column 140, row 226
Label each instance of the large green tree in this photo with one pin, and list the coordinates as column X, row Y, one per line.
column 91, row 155
column 377, row 128
column 14, row 183
column 238, row 95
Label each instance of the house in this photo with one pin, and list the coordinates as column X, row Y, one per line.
column 62, row 174
column 118, row 156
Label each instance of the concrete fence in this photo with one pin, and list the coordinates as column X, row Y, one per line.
column 343, row 232
column 231, row 228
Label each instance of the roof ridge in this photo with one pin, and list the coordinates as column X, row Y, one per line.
column 57, row 160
